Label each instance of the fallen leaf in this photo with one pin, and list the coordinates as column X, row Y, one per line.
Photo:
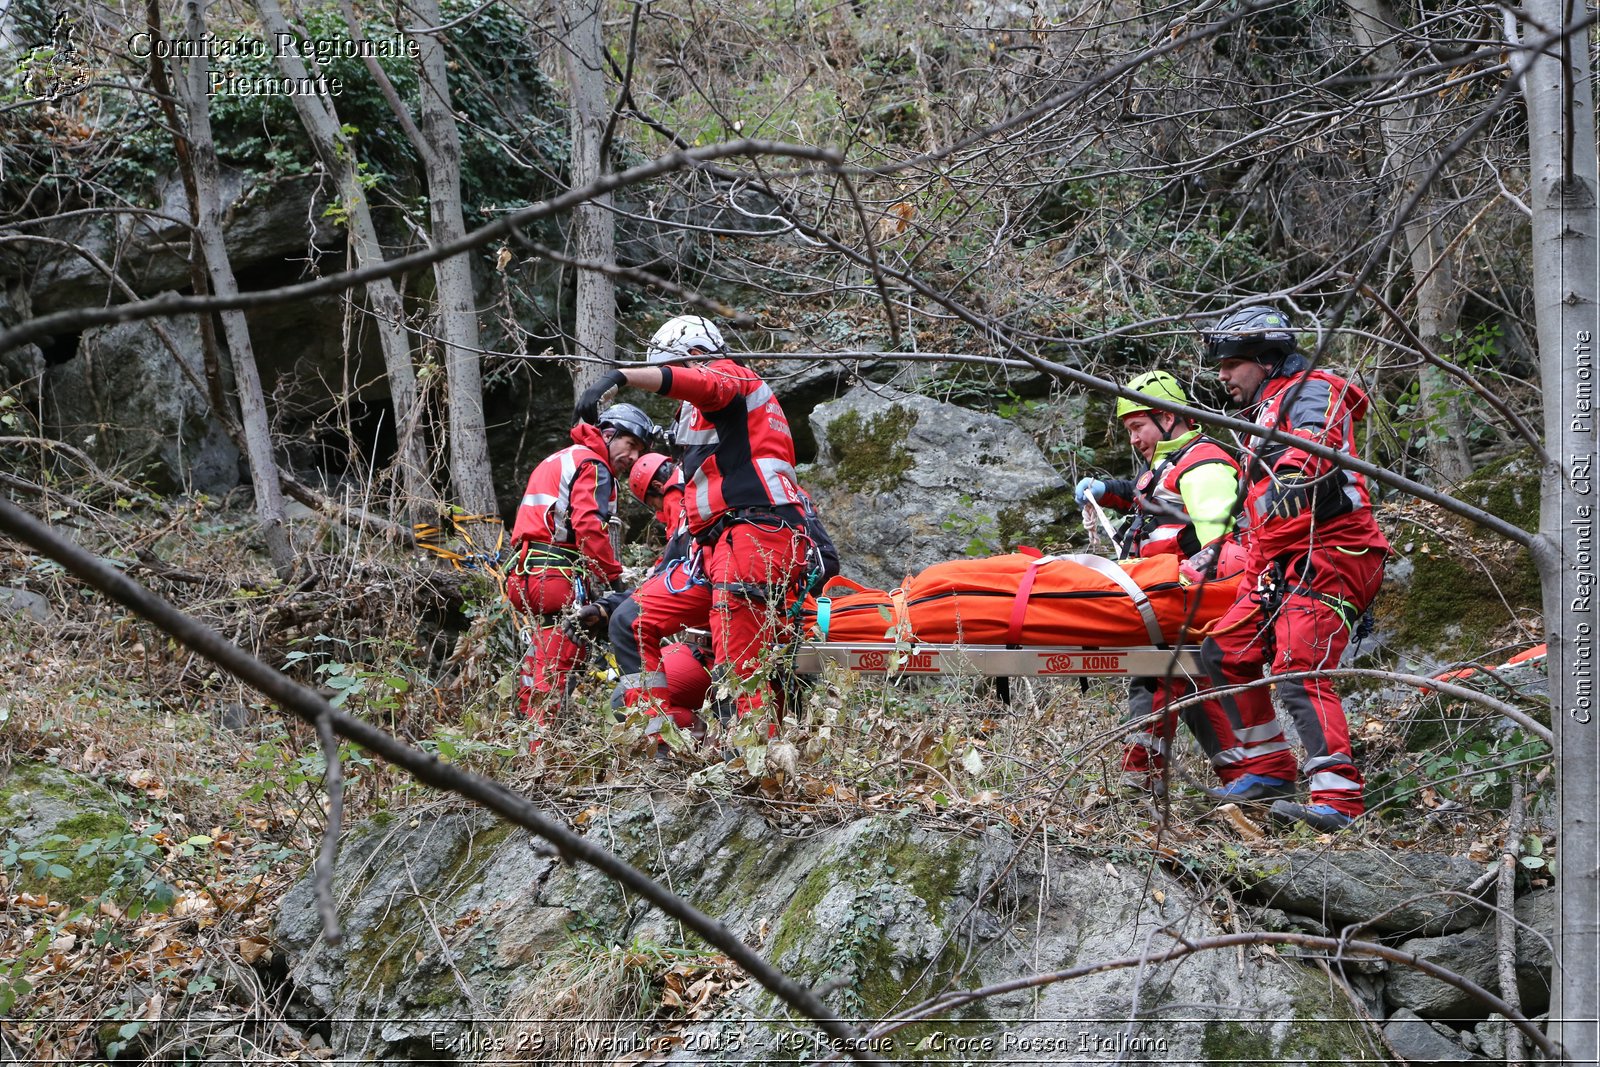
column 1241, row 822
column 253, row 949
column 192, row 904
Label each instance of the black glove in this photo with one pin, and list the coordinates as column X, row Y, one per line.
column 593, row 618
column 1290, row 495
column 588, row 406
column 618, row 585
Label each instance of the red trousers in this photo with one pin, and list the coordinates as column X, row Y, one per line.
column 755, row 572
column 1255, row 749
column 752, row 574
column 552, row 655
column 1325, row 590
column 667, row 602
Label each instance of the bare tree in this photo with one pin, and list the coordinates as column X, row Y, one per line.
column 593, row 230
column 1409, row 135
column 1562, row 191
column 438, row 143
column 252, row 401
column 337, row 154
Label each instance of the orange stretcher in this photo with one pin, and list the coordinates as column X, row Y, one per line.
column 997, row 661
column 1018, row 615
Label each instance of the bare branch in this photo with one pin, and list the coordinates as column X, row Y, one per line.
column 426, row 768
column 82, row 318
column 328, row 854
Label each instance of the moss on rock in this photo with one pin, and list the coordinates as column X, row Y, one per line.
column 870, row 456
column 1016, row 526
column 59, row 812
column 895, row 880
column 1464, row 589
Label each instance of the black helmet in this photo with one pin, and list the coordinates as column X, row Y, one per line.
column 629, row 420
column 1257, row 333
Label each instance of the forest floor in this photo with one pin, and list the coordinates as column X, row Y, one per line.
column 211, row 803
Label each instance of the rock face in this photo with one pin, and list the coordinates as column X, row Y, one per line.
column 903, row 481
column 450, row 916
column 1420, row 1042
column 1473, row 954
column 262, row 223
column 20, row 368
column 125, row 400
column 1407, row 893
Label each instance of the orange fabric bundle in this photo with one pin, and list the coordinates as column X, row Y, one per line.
column 1022, row 599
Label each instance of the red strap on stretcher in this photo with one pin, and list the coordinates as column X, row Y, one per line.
column 1019, row 606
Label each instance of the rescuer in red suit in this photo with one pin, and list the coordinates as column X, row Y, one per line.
column 1182, row 503
column 742, row 506
column 1314, row 557
column 561, row 544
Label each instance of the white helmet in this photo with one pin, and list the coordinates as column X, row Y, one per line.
column 678, row 337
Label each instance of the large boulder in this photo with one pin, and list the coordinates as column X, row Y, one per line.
column 1474, row 954
column 126, row 400
column 1393, row 893
column 904, row 481
column 449, row 916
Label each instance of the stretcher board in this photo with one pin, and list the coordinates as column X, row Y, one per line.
column 996, row 661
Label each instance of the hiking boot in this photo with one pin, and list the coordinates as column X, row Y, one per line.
column 1252, row 789
column 1324, row 817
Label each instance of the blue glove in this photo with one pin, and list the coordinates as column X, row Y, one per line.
column 1086, row 488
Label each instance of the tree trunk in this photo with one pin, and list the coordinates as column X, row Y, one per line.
column 1562, row 188
column 458, row 315
column 317, row 115
column 252, row 400
column 593, row 230
column 1407, row 133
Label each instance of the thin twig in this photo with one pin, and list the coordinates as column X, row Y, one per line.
column 1505, row 926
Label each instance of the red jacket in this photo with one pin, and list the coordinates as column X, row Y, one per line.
column 737, row 448
column 1325, row 409
column 670, row 513
column 570, row 498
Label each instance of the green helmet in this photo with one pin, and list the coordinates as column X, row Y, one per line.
column 1157, row 383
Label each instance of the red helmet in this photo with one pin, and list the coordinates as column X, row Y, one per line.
column 644, row 472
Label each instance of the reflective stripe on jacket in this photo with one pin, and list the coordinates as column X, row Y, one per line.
column 1174, row 511
column 570, row 498
column 1324, row 409
column 738, row 451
